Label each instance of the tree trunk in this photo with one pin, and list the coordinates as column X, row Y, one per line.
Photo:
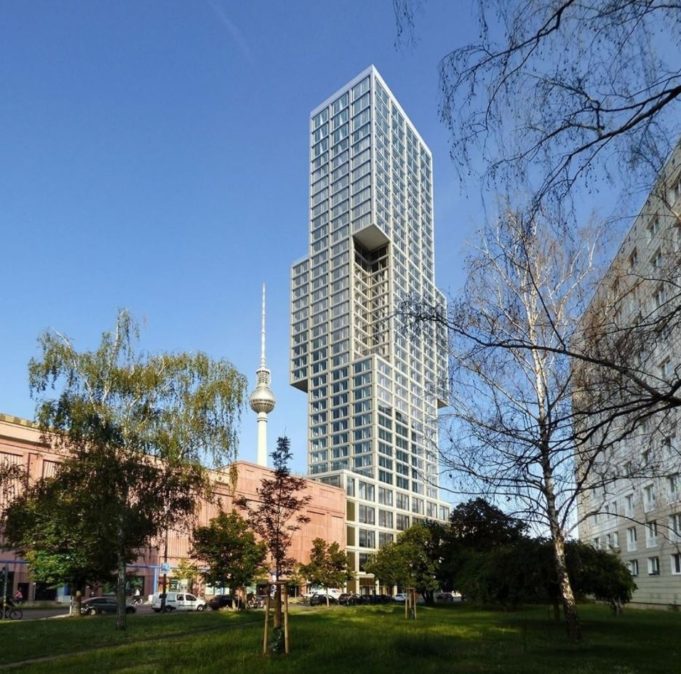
column 567, row 597
column 120, row 581
column 278, row 619
column 79, row 602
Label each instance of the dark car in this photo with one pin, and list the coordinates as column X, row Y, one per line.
column 100, row 605
column 348, row 599
column 221, row 601
column 374, row 599
column 320, row 600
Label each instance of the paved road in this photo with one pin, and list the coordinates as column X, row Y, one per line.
column 62, row 612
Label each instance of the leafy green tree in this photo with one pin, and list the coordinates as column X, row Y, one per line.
column 136, row 430
column 49, row 525
column 12, row 478
column 390, row 565
column 328, row 566
column 276, row 515
column 421, row 545
column 599, row 574
column 411, row 561
column 228, row 549
column 522, row 571
column 480, row 525
column 508, row 574
column 187, row 570
column 474, row 526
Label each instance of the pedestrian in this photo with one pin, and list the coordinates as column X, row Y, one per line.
column 18, row 596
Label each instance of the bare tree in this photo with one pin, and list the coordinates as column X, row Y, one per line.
column 554, row 367
column 561, row 92
column 511, row 433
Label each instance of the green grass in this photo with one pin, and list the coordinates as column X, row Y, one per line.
column 356, row 640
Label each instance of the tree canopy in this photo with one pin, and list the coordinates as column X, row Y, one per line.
column 328, row 565
column 412, row 561
column 563, row 93
column 135, row 430
column 228, row 549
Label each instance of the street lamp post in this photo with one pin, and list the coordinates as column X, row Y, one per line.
column 165, row 572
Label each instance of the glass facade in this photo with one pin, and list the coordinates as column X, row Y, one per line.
column 373, row 390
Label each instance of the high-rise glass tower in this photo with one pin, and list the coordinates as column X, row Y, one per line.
column 373, row 388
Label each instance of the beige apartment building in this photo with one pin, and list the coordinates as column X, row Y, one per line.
column 634, row 504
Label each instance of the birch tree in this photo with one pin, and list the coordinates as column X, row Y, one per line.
column 511, row 432
column 136, row 431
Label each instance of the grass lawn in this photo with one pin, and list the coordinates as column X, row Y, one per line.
column 360, row 640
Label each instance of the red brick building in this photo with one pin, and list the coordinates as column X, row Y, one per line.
column 20, row 442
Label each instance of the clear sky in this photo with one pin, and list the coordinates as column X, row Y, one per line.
column 153, row 156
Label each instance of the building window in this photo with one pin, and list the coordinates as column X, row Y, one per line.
column 649, row 497
column 651, row 534
column 366, row 491
column 631, row 539
column 367, row 539
column 665, row 367
column 402, row 522
column 633, row 567
column 367, row 514
column 385, row 519
column 402, row 501
column 653, row 228
column 385, row 476
column 49, row 467
column 675, row 527
column 676, row 563
column 653, row 566
column 629, row 505
column 385, row 496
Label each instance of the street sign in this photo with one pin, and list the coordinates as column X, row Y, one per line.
column 165, row 567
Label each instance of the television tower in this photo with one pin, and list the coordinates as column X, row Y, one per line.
column 262, row 399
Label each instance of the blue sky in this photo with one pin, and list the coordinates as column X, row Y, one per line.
column 154, row 157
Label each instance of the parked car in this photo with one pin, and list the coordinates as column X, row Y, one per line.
column 348, row 599
column 320, row 600
column 331, row 591
column 178, row 601
column 374, row 599
column 221, row 601
column 100, row 605
column 401, row 597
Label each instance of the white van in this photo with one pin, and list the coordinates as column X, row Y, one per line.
column 178, row 601
column 333, row 592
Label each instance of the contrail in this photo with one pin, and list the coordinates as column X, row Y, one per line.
column 234, row 32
